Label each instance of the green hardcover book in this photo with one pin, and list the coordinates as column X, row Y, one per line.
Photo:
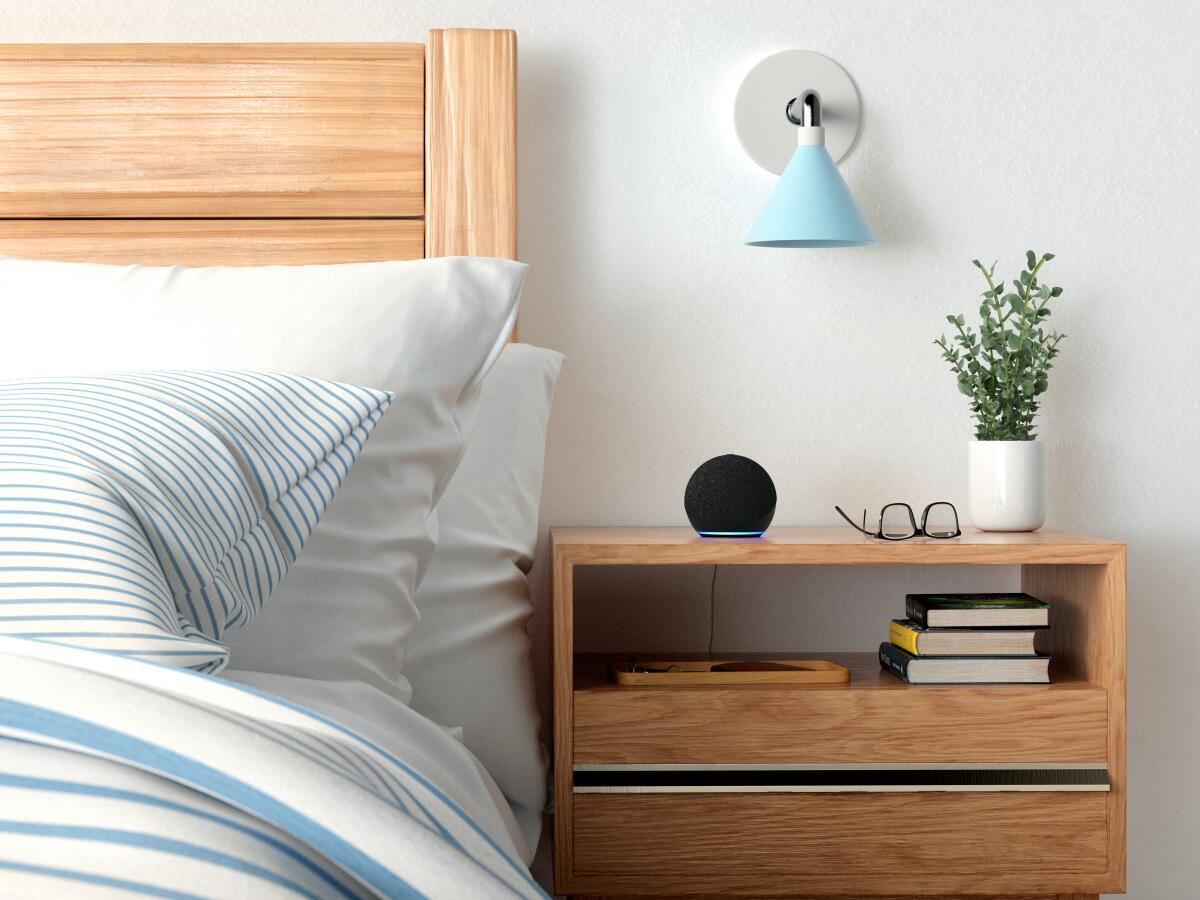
column 1014, row 610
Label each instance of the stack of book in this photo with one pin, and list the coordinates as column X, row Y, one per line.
column 967, row 639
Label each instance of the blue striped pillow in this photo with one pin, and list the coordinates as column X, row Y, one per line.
column 145, row 513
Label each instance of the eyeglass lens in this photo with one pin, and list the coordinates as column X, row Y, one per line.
column 940, row 521
column 897, row 522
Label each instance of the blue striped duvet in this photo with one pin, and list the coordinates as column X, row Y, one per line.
column 121, row 777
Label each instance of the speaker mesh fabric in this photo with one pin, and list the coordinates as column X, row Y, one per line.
column 730, row 496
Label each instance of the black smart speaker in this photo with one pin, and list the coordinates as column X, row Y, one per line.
column 730, row 496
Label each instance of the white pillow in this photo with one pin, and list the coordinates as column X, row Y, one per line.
column 426, row 330
column 470, row 661
column 145, row 513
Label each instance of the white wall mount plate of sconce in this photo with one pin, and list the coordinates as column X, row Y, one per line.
column 760, row 109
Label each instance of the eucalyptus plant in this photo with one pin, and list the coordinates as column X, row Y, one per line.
column 1004, row 366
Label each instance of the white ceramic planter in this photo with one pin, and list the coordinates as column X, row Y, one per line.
column 1007, row 485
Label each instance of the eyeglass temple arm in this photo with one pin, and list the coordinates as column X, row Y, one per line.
column 854, row 524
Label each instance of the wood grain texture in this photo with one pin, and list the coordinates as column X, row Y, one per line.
column 198, row 154
column 915, row 843
column 678, row 671
column 872, row 719
column 562, row 592
column 786, row 545
column 1087, row 638
column 211, row 130
column 809, row 896
column 471, row 143
column 213, row 242
column 704, row 845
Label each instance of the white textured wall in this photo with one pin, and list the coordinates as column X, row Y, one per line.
column 988, row 129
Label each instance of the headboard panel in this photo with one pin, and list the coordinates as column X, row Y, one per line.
column 214, row 242
column 239, row 154
column 212, row 130
column 471, row 143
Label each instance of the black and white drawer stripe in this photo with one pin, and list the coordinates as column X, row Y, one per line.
column 842, row 777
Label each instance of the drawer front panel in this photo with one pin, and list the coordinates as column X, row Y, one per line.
column 900, row 841
column 988, row 724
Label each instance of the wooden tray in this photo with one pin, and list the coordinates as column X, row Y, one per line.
column 693, row 672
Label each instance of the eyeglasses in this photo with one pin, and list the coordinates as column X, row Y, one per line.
column 898, row 523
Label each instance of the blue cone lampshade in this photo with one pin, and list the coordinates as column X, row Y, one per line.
column 811, row 207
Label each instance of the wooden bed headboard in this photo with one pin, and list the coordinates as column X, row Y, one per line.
column 240, row 154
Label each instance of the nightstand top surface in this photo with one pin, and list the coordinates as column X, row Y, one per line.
column 639, row 544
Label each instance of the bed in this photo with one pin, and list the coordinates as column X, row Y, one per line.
column 261, row 179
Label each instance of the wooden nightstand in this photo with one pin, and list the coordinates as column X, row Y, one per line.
column 798, row 842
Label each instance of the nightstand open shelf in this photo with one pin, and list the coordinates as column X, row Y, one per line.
column 800, row 831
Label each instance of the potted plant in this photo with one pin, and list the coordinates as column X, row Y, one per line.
column 1004, row 368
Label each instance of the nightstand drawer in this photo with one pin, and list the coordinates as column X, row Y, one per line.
column 695, row 842
column 872, row 719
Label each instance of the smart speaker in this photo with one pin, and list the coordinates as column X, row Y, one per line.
column 730, row 496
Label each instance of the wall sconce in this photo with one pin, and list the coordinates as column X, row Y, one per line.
column 796, row 114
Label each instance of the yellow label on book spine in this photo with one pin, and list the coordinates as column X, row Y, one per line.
column 904, row 638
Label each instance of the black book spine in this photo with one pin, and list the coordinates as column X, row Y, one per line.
column 894, row 660
column 915, row 610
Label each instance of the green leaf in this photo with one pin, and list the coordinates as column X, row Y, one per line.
column 1002, row 364
column 1047, row 256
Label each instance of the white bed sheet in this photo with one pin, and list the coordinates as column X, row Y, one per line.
column 434, row 751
